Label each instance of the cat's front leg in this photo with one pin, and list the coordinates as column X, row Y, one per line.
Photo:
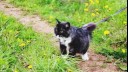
column 72, row 52
column 63, row 49
column 64, row 52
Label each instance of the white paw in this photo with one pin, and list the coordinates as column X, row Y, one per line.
column 64, row 56
column 85, row 57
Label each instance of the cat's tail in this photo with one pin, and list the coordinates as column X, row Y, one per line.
column 90, row 27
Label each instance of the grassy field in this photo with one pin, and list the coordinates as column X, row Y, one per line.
column 23, row 50
column 109, row 38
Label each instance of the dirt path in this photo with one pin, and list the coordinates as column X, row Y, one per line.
column 95, row 64
column 28, row 20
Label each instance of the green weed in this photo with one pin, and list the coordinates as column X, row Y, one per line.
column 23, row 50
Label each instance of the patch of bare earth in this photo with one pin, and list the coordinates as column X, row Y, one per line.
column 28, row 20
column 95, row 64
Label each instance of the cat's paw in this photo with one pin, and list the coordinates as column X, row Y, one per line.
column 85, row 57
column 64, row 56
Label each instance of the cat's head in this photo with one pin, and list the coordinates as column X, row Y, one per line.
column 62, row 28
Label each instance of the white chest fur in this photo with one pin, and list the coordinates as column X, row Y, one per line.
column 65, row 41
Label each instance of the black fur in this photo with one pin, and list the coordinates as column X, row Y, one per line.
column 63, row 49
column 79, row 37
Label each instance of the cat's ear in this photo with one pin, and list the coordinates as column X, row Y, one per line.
column 67, row 25
column 58, row 22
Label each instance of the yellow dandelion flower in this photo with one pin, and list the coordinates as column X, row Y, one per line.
column 51, row 17
column 79, row 20
column 28, row 41
column 124, row 22
column 30, row 66
column 96, row 9
column 4, row 17
column 19, row 40
column 86, row 10
column 34, row 4
column 97, row 13
column 10, row 31
column 123, row 50
column 86, row 4
column 91, row 1
column 106, row 6
column 15, row 71
column 106, row 32
column 93, row 14
column 97, row 1
column 109, row 9
column 22, row 45
column 69, row 70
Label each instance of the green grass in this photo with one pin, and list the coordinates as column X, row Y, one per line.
column 23, row 50
column 80, row 12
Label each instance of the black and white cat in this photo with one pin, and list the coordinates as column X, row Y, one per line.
column 74, row 40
